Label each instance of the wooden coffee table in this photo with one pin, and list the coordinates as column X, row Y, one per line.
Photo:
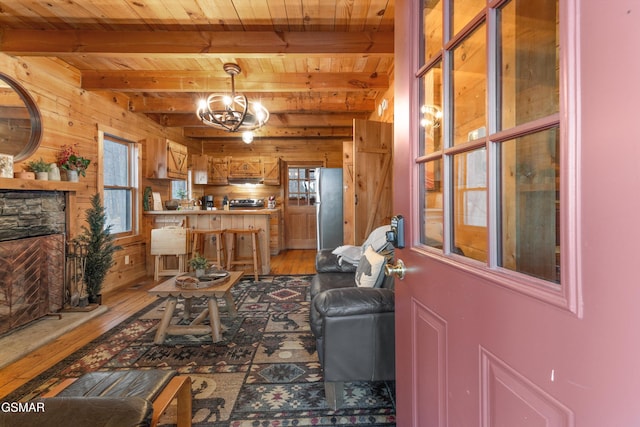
column 171, row 292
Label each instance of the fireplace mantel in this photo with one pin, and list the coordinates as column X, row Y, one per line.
column 33, row 184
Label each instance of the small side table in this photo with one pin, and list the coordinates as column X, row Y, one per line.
column 171, row 292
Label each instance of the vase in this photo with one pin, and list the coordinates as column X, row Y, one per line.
column 42, row 176
column 72, row 176
column 54, row 172
column 199, row 272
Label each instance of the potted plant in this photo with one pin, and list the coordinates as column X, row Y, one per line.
column 198, row 263
column 72, row 162
column 40, row 168
column 100, row 248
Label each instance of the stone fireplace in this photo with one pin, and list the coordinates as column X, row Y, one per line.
column 32, row 255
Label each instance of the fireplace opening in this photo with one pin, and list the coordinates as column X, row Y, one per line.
column 32, row 256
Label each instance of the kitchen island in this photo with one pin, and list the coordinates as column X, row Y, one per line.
column 220, row 220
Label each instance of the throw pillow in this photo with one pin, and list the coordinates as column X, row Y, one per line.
column 377, row 238
column 348, row 253
column 370, row 269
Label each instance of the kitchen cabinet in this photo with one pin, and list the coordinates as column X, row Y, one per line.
column 218, row 170
column 271, row 170
column 209, row 170
column 165, row 159
column 245, row 168
column 200, row 168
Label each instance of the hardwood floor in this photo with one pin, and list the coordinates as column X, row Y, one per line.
column 122, row 303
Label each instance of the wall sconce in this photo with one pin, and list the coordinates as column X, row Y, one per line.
column 382, row 107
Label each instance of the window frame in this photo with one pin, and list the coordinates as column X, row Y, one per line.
column 134, row 177
column 567, row 294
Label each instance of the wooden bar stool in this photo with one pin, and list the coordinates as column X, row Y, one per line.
column 234, row 258
column 198, row 237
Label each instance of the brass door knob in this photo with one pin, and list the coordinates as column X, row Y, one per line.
column 398, row 270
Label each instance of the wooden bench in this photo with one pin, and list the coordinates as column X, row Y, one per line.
column 160, row 387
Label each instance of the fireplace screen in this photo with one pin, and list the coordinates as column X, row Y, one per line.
column 31, row 279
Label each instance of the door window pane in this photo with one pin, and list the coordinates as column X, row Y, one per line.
column 528, row 61
column 432, row 203
column 301, row 186
column 464, row 11
column 432, row 28
column 469, row 87
column 470, row 203
column 530, row 189
column 431, row 110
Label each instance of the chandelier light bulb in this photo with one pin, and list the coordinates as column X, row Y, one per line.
column 247, row 137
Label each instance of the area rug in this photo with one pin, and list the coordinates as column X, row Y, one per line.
column 264, row 373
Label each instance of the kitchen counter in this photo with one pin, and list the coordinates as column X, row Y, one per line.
column 219, row 220
column 216, row 212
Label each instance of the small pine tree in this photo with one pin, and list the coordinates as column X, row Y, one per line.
column 100, row 247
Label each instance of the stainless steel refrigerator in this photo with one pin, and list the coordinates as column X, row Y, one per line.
column 329, row 207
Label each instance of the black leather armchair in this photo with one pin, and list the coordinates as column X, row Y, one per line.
column 353, row 327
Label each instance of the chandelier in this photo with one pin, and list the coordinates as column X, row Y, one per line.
column 232, row 112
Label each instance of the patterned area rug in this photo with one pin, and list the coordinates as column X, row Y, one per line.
column 264, row 373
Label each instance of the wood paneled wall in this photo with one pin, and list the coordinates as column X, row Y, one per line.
column 71, row 115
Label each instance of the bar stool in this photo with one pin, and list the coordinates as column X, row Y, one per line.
column 198, row 243
column 234, row 259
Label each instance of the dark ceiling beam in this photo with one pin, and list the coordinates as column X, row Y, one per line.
column 282, row 103
column 192, row 43
column 207, row 81
column 344, row 132
column 276, row 120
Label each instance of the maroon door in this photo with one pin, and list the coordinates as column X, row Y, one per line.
column 485, row 342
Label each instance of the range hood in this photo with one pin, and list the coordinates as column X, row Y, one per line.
column 245, row 180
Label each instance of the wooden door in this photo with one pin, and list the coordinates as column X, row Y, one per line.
column 478, row 345
column 300, row 210
column 372, row 178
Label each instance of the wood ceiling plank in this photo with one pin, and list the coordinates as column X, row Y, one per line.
column 278, row 15
column 254, row 15
column 220, row 13
column 122, row 43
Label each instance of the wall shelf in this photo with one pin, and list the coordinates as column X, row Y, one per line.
column 34, row 184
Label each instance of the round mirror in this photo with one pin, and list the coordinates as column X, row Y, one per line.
column 20, row 120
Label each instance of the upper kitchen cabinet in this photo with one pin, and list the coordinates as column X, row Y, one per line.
column 271, row 170
column 249, row 167
column 218, row 170
column 166, row 159
column 209, row 170
column 200, row 168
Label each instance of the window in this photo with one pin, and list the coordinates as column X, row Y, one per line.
column 120, row 185
column 488, row 160
column 302, row 186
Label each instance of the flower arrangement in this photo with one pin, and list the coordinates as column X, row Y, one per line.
column 68, row 159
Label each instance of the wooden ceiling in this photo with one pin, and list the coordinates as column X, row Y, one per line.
column 315, row 64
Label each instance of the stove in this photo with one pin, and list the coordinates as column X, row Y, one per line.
column 246, row 203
